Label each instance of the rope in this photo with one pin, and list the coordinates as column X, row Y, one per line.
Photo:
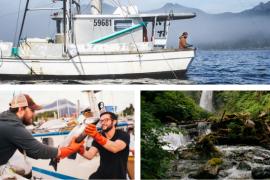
column 75, row 41
column 10, row 13
column 132, row 4
column 31, row 70
column 120, row 6
column 17, row 22
column 137, row 49
column 24, row 15
column 112, row 1
column 173, row 73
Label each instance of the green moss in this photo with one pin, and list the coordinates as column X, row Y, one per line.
column 215, row 161
column 206, row 146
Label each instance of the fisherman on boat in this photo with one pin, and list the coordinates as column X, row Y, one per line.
column 183, row 41
column 113, row 146
column 14, row 136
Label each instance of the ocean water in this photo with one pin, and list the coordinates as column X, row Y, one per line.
column 209, row 67
column 230, row 67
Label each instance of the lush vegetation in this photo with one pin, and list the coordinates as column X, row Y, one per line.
column 250, row 102
column 156, row 109
column 240, row 118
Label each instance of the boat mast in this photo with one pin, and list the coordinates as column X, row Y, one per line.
column 96, row 7
column 24, row 15
column 92, row 102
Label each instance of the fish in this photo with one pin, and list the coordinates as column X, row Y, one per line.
column 78, row 132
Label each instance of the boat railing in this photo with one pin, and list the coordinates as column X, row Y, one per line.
column 120, row 124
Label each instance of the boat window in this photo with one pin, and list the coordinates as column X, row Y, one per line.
column 122, row 24
column 58, row 26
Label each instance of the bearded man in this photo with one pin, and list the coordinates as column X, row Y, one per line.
column 14, row 136
column 113, row 146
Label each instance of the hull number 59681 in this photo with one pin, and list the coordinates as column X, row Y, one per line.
column 102, row 22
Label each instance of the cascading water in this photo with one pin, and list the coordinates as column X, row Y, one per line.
column 204, row 128
column 174, row 141
column 206, row 101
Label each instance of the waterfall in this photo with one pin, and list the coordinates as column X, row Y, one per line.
column 206, row 101
column 174, row 141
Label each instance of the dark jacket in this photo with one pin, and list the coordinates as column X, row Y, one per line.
column 14, row 135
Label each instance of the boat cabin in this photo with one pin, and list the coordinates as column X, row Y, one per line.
column 119, row 28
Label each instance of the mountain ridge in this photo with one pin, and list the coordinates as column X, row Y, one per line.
column 247, row 29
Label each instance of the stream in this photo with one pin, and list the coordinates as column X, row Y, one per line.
column 238, row 162
column 200, row 155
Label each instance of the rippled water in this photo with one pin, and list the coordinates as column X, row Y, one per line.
column 231, row 67
column 209, row 67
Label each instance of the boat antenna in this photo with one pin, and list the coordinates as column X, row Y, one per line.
column 24, row 15
column 64, row 24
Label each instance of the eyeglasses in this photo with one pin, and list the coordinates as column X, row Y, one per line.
column 104, row 120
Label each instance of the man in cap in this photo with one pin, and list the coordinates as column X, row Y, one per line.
column 113, row 146
column 183, row 41
column 14, row 135
column 87, row 113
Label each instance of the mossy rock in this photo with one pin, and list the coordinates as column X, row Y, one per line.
column 215, row 161
column 205, row 145
column 209, row 170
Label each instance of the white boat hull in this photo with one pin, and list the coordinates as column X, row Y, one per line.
column 79, row 168
column 114, row 65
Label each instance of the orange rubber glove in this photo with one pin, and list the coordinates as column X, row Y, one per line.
column 91, row 130
column 71, row 149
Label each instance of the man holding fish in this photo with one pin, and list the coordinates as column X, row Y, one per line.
column 113, row 146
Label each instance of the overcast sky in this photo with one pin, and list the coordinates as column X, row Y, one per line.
column 210, row 6
column 121, row 99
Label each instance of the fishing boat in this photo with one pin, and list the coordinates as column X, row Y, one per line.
column 125, row 44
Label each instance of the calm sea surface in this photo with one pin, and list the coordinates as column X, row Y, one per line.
column 230, row 67
column 209, row 67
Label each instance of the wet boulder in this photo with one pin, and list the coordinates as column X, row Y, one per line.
column 223, row 174
column 260, row 172
column 249, row 124
column 244, row 166
column 209, row 171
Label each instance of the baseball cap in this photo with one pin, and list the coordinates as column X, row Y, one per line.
column 86, row 110
column 24, row 100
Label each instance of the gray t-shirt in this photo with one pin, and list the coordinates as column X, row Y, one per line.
column 14, row 135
